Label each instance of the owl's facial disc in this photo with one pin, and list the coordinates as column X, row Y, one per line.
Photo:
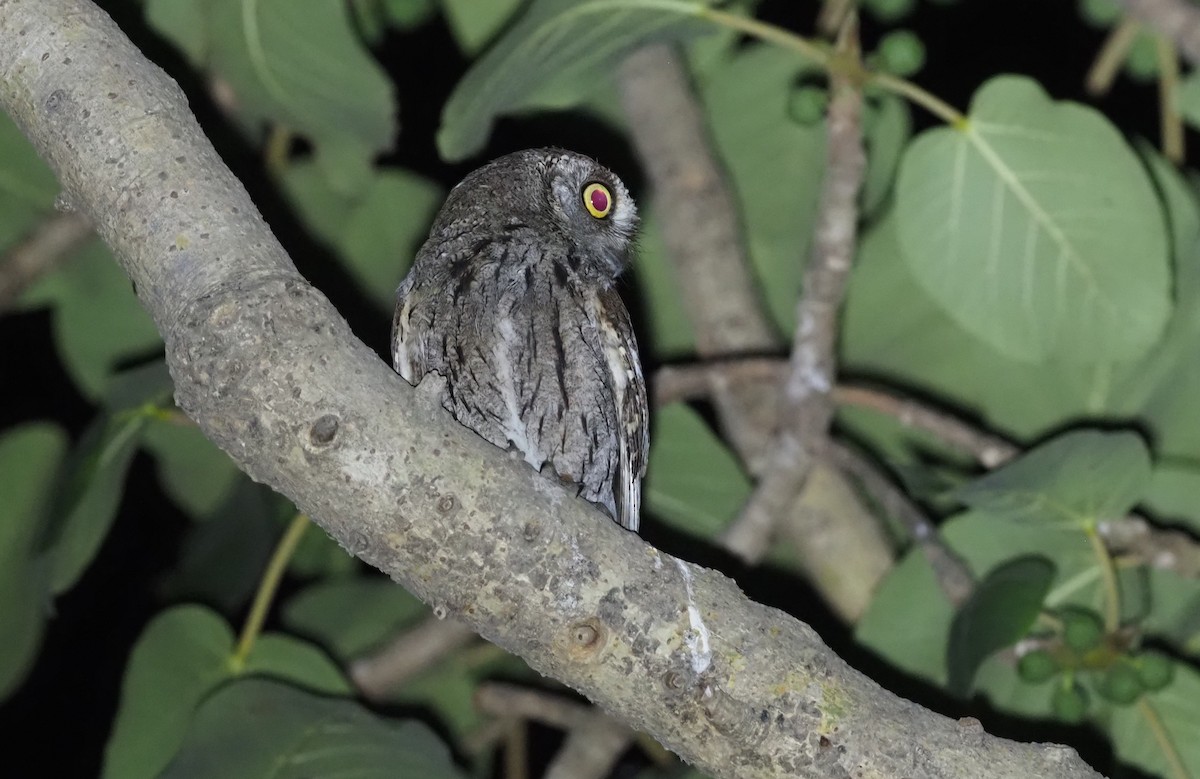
column 594, row 211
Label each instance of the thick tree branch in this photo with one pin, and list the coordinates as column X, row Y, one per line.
column 272, row 373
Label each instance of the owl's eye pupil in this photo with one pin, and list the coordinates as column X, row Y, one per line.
column 597, row 199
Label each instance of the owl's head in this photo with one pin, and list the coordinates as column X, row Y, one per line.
column 565, row 198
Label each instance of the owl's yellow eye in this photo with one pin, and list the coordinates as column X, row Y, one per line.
column 597, row 199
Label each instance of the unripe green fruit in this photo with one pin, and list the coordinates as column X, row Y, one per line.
column 1082, row 629
column 1121, row 685
column 1037, row 666
column 1154, row 670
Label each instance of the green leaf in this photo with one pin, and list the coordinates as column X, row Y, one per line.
column 301, row 67
column 183, row 655
column 908, row 620
column 98, row 322
column 1037, row 229
column 257, row 728
column 376, row 233
column 353, row 616
column 223, row 555
column 473, row 24
column 184, row 23
column 197, row 475
column 1178, row 707
column 892, row 329
column 658, row 289
column 87, row 501
column 888, row 127
column 1174, row 494
column 693, row 482
column 24, row 177
column 448, row 688
column 1078, row 478
column 29, row 462
column 775, row 166
column 556, row 54
column 1002, row 608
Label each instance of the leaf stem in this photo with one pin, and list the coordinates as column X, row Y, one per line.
column 822, row 55
column 1112, row 595
column 267, row 588
column 1155, row 723
column 1171, row 131
column 1112, row 53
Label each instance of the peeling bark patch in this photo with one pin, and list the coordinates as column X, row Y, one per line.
column 696, row 639
column 324, row 430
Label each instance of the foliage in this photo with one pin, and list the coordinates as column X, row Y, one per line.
column 1026, row 265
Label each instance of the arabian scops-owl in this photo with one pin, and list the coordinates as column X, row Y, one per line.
column 512, row 301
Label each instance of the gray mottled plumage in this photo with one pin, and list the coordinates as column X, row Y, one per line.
column 511, row 300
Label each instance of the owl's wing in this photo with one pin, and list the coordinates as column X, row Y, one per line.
column 408, row 353
column 629, row 393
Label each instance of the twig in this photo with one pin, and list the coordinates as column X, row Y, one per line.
column 807, row 401
column 1168, row 88
column 49, row 243
column 1176, row 20
column 1103, row 72
column 697, row 380
column 952, row 574
column 502, row 699
column 1161, row 548
column 410, row 653
column 991, row 451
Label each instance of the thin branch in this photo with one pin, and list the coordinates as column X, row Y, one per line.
column 1156, row 547
column 1112, row 54
column 1176, row 20
column 1170, row 119
column 807, row 403
column 952, row 574
column 407, row 655
column 260, row 360
column 991, row 451
column 50, row 243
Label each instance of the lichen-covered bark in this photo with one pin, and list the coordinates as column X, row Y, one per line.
column 272, row 373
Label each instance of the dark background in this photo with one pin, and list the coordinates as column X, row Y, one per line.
column 56, row 724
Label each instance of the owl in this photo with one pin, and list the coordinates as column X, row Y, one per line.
column 512, row 301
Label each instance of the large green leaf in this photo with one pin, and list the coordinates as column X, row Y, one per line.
column 352, row 616
column 1001, row 610
column 1078, row 478
column 474, row 24
column 555, row 55
column 197, row 475
column 774, row 163
column 98, row 322
column 29, row 461
column 693, row 482
column 258, row 728
column 375, row 233
column 1036, row 228
column 86, row 503
column 183, row 655
column 300, row 66
column 24, row 177
column 893, row 330
column 1178, row 707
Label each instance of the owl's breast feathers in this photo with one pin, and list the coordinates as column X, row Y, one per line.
column 535, row 362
